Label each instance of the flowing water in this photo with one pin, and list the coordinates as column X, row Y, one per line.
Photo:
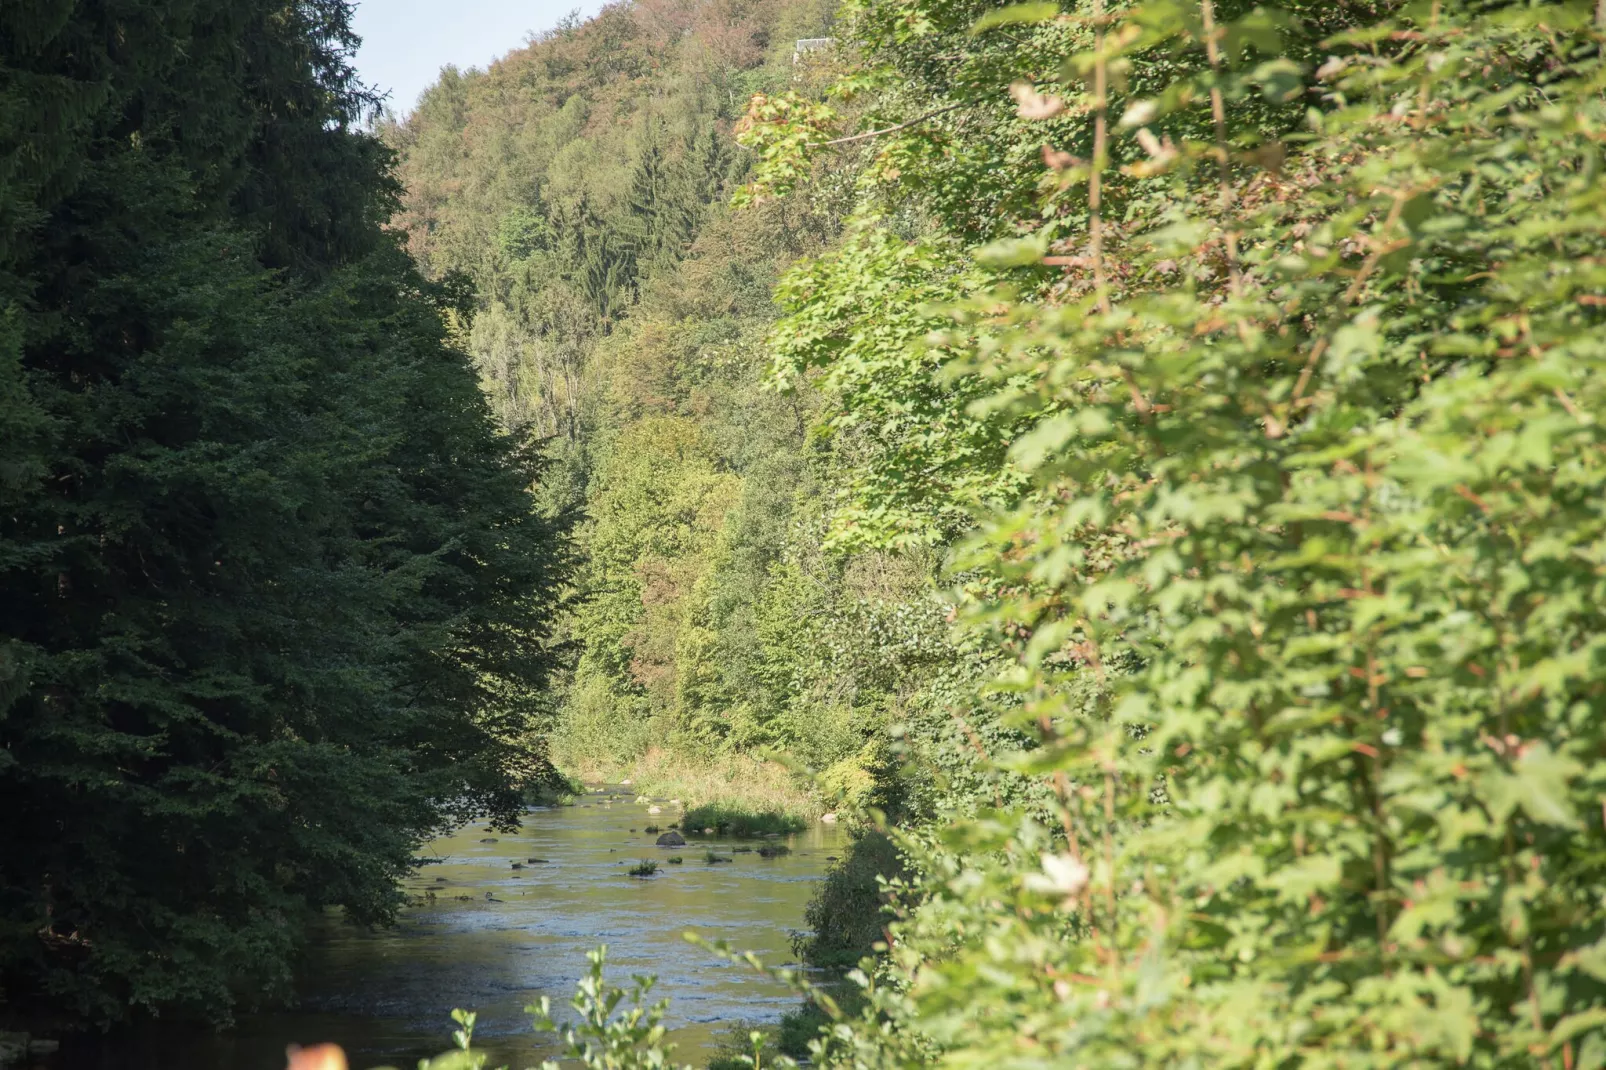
column 387, row 996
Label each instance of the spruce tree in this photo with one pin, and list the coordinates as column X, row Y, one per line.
column 273, row 600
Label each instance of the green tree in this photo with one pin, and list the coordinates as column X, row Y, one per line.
column 274, row 602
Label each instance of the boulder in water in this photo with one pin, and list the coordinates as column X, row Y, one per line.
column 655, row 809
column 828, row 819
column 13, row 1046
column 671, row 839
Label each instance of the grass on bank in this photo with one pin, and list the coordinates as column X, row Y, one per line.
column 734, row 786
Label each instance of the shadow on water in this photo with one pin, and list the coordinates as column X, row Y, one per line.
column 387, row 996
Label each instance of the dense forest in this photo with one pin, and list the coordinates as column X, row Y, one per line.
column 1140, row 464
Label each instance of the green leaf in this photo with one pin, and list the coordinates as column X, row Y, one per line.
column 1574, row 1025
column 1537, row 785
column 1261, row 28
column 1544, row 776
column 1015, row 15
column 1281, row 80
column 1591, row 959
column 1013, row 252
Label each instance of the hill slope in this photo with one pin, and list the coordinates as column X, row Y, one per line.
column 583, row 184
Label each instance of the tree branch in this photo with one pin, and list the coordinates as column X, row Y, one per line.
column 894, row 129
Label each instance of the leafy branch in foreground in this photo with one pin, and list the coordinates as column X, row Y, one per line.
column 605, row 1037
column 785, row 130
column 633, row 1040
column 1310, row 503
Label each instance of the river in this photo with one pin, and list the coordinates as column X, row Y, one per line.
column 387, row 996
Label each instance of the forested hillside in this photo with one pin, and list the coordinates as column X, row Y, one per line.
column 1147, row 454
column 624, row 311
column 275, row 604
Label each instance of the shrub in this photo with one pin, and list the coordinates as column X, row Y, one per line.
column 849, row 911
column 743, row 1048
column 732, row 820
column 1304, row 589
column 556, row 789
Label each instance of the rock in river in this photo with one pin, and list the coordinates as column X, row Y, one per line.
column 13, row 1046
column 671, row 839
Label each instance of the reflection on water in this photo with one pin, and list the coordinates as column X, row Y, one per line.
column 387, row 996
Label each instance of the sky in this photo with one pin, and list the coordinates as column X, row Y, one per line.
column 405, row 43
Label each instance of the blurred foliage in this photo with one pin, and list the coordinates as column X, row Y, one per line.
column 1298, row 587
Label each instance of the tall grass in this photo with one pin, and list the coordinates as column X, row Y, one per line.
column 730, row 785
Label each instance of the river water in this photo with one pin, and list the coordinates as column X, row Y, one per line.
column 387, row 996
